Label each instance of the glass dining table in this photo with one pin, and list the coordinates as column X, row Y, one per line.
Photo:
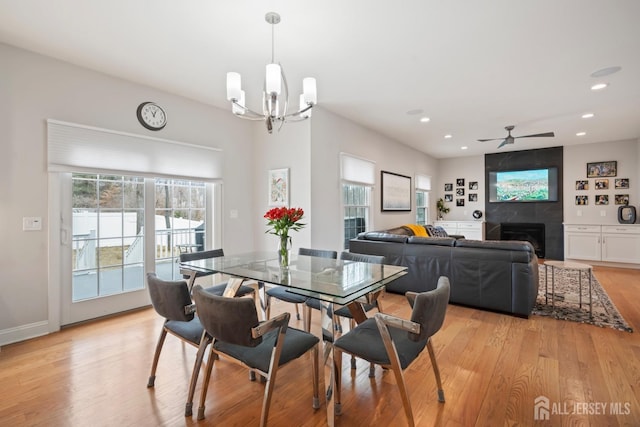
column 330, row 281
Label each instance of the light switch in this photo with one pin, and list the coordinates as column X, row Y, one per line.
column 31, row 223
column 579, row 212
column 233, row 213
column 603, row 213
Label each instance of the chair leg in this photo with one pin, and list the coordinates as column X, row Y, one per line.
column 205, row 384
column 297, row 312
column 315, row 377
column 204, row 342
column 337, row 366
column 436, row 371
column 152, row 376
column 307, row 318
column 268, row 392
column 267, row 308
column 397, row 371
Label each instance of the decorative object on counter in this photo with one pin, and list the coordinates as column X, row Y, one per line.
column 599, row 169
column 477, row 214
column 442, row 209
column 627, row 214
column 282, row 220
column 605, row 314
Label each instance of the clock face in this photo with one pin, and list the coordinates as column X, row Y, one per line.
column 151, row 116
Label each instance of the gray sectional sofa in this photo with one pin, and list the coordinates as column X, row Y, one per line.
column 494, row 275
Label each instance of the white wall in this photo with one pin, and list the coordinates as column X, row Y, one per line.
column 576, row 157
column 449, row 170
column 34, row 88
column 331, row 135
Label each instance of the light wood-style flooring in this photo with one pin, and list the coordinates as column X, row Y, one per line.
column 493, row 366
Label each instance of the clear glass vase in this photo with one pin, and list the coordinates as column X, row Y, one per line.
column 284, row 250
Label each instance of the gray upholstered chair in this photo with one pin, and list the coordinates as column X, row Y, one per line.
column 172, row 301
column 394, row 343
column 282, row 293
column 191, row 275
column 233, row 329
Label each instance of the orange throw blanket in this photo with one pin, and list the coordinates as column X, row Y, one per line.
column 418, row 230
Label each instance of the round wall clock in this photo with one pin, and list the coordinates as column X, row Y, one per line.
column 151, row 116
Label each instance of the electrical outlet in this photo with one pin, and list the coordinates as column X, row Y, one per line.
column 31, row 223
column 233, row 213
column 579, row 212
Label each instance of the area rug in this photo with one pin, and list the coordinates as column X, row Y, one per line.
column 605, row 313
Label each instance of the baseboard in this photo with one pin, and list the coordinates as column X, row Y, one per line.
column 23, row 332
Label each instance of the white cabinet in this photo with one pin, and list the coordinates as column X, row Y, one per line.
column 611, row 243
column 472, row 230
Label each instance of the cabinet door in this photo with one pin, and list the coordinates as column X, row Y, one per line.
column 471, row 230
column 621, row 247
column 450, row 227
column 584, row 246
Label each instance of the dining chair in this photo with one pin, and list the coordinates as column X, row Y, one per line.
column 172, row 301
column 394, row 343
column 282, row 293
column 250, row 287
column 233, row 330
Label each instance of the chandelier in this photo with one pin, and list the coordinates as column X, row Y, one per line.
column 275, row 95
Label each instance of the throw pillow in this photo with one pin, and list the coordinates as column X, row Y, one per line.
column 436, row 231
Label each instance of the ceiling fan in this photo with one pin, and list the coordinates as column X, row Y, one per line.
column 511, row 139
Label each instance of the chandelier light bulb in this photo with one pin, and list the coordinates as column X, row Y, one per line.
column 234, row 84
column 309, row 91
column 273, row 81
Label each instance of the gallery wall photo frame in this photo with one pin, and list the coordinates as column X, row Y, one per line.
column 395, row 192
column 602, row 169
column 621, row 183
column 279, row 187
column 448, row 187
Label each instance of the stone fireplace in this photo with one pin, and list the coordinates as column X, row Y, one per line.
column 529, row 231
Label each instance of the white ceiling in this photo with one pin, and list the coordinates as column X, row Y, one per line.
column 472, row 66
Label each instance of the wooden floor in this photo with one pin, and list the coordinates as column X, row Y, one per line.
column 493, row 367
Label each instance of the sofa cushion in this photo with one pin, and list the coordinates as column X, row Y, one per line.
column 382, row 236
column 519, row 251
column 440, row 241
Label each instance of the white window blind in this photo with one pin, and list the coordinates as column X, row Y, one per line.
column 423, row 182
column 355, row 169
column 79, row 148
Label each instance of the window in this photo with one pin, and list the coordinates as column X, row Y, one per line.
column 108, row 235
column 180, row 208
column 358, row 177
column 422, row 207
column 356, row 200
column 423, row 186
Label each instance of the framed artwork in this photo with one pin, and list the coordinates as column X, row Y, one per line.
column 279, row 187
column 582, row 185
column 622, row 199
column 473, row 185
column 602, row 199
column 395, row 192
column 601, row 184
column 621, row 183
column 460, row 182
column 448, row 197
column 459, row 191
column 473, row 197
column 459, row 202
column 448, row 187
column 597, row 169
column 582, row 200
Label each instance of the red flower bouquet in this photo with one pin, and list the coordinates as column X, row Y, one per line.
column 281, row 220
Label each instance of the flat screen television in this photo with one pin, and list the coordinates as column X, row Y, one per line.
column 530, row 185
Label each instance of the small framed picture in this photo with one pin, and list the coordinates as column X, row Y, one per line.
column 473, row 197
column 459, row 191
column 448, row 187
column 601, row 184
column 460, row 182
column 473, row 185
column 582, row 185
column 459, row 202
column 621, row 183
column 602, row 199
column 597, row 169
column 279, row 187
column 622, row 199
column 448, row 197
column 582, row 200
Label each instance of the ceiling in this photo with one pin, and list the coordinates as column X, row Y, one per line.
column 473, row 67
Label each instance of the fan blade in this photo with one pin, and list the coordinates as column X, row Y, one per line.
column 537, row 135
column 505, row 142
column 485, row 140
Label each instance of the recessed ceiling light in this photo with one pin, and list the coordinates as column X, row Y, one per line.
column 425, row 119
column 415, row 112
column 587, row 115
column 448, row 136
column 464, row 147
column 581, row 134
column 599, row 86
column 606, row 71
